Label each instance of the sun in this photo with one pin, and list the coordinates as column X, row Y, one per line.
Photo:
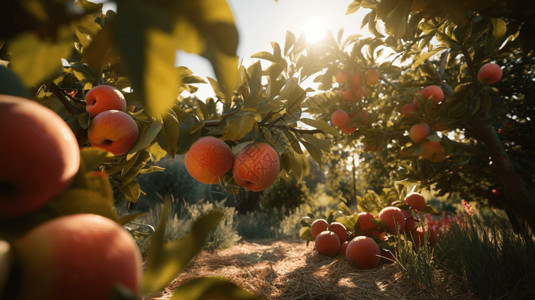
column 315, row 28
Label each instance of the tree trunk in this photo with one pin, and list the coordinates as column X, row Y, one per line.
column 520, row 199
column 247, row 201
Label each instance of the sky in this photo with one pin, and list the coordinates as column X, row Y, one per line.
column 260, row 22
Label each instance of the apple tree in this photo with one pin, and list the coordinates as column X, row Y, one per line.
column 475, row 141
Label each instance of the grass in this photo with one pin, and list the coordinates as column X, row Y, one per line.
column 481, row 252
column 493, row 260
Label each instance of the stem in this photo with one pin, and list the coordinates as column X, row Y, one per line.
column 62, row 97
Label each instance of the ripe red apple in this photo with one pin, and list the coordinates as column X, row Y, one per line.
column 348, row 130
column 256, row 167
column 416, row 200
column 343, row 248
column 114, row 131
column 419, row 132
column 407, row 110
column 355, row 81
column 318, row 226
column 340, row 230
column 81, row 256
column 393, row 218
column 342, row 77
column 489, row 73
column 339, row 118
column 102, row 98
column 432, row 91
column 39, row 155
column 433, row 151
column 364, row 252
column 327, row 243
column 365, row 223
column 371, row 77
column 208, row 159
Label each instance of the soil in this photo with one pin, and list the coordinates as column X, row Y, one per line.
column 289, row 269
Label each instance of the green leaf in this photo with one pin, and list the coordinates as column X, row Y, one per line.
column 131, row 191
column 92, row 158
column 169, row 134
column 428, row 209
column 76, row 200
column 166, row 261
column 207, row 28
column 144, row 39
column 147, row 135
column 499, row 28
column 211, row 288
column 321, row 125
column 239, row 125
column 34, row 59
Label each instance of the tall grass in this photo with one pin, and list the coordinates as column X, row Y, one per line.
column 481, row 252
column 492, row 259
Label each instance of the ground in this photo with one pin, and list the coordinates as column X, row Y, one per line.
column 289, row 269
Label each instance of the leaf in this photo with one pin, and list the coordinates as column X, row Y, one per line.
column 211, row 288
column 289, row 41
column 265, row 55
column 169, row 134
column 93, row 157
column 143, row 34
column 131, row 191
column 76, row 200
column 239, row 125
column 166, row 261
column 499, row 28
column 423, row 57
column 207, row 28
column 147, row 135
column 33, row 59
column 428, row 209
column 313, row 150
column 321, row 125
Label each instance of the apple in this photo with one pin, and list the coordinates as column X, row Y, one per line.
column 39, row 155
column 80, row 256
column 371, row 77
column 419, row 132
column 433, row 91
column 393, row 218
column 363, row 252
column 407, row 110
column 102, row 98
column 489, row 73
column 114, row 131
column 415, row 200
column 208, row 159
column 318, row 226
column 327, row 243
column 340, row 230
column 256, row 167
column 339, row 118
column 433, row 151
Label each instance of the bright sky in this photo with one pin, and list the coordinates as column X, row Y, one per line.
column 260, row 22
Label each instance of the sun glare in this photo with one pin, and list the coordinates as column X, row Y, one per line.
column 315, row 28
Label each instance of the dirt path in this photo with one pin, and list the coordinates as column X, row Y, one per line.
column 291, row 270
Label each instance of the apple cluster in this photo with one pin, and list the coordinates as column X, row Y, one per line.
column 85, row 255
column 111, row 128
column 352, row 90
column 365, row 244
column 254, row 167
